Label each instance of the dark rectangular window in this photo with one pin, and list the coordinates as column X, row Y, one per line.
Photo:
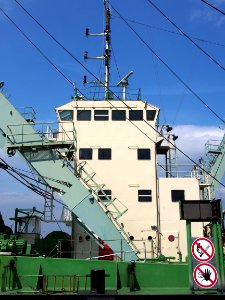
column 105, row 195
column 104, row 153
column 144, row 195
column 135, row 115
column 118, row 115
column 150, row 115
column 101, row 115
column 144, row 154
column 83, row 115
column 85, row 153
column 177, row 195
column 66, row 115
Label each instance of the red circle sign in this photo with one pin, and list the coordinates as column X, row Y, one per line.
column 202, row 249
column 205, row 275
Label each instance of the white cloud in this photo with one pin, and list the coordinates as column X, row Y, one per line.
column 192, row 139
column 208, row 15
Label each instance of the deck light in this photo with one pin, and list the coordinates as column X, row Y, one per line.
column 175, row 137
column 168, row 128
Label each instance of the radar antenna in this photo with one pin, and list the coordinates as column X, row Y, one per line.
column 124, row 83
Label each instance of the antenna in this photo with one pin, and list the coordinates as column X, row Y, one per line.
column 124, row 83
column 107, row 51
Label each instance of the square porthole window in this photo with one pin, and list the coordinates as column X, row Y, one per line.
column 177, row 195
column 144, row 195
column 101, row 115
column 66, row 115
column 135, row 115
column 83, row 115
column 118, row 115
column 150, row 115
column 144, row 154
column 85, row 153
column 104, row 153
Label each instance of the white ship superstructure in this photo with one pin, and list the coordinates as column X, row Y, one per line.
column 118, row 143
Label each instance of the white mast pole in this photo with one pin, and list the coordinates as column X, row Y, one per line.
column 107, row 48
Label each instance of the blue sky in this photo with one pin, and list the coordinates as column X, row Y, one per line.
column 31, row 81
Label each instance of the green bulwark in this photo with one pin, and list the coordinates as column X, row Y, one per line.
column 71, row 276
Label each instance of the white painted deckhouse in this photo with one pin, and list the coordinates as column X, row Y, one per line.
column 118, row 145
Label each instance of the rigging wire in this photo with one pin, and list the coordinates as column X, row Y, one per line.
column 173, row 32
column 223, row 13
column 117, row 68
column 165, row 64
column 91, row 73
column 169, row 68
column 10, row 170
column 181, row 100
column 38, row 49
column 60, row 44
column 187, row 36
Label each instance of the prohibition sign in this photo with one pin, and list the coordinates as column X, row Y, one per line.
column 202, row 249
column 205, row 275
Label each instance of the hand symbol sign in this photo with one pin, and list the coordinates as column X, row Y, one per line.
column 207, row 274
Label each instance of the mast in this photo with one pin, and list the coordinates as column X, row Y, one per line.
column 107, row 50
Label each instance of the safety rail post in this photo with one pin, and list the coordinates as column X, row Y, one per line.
column 190, row 269
column 55, row 282
column 44, row 283
column 62, row 283
column 74, row 283
column 217, row 256
column 221, row 255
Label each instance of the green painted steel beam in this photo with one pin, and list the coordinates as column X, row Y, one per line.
column 217, row 167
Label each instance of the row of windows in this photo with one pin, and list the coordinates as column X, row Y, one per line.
column 103, row 115
column 143, row 195
column 106, row 154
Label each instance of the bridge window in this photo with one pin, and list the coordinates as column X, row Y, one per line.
column 66, row 115
column 150, row 115
column 83, row 115
column 105, row 195
column 118, row 115
column 136, row 115
column 85, row 153
column 144, row 195
column 104, row 153
column 101, row 115
column 177, row 195
column 144, row 154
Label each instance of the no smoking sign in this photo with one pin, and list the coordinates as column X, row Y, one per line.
column 202, row 249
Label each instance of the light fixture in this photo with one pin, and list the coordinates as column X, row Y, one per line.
column 1, row 84
column 154, row 227
column 168, row 128
column 85, row 55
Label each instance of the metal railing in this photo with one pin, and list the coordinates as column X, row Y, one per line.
column 21, row 135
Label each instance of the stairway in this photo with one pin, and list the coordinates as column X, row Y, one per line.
column 43, row 155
